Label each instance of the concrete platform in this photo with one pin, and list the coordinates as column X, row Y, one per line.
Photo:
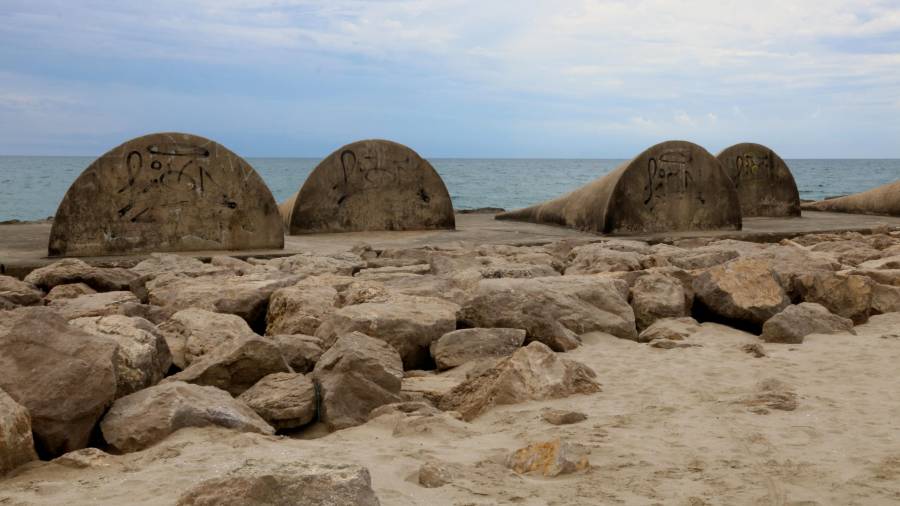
column 23, row 247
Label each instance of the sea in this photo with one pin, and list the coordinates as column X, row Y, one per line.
column 31, row 187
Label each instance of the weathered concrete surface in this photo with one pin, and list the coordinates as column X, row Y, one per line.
column 672, row 186
column 166, row 192
column 372, row 185
column 764, row 183
column 23, row 246
column 883, row 200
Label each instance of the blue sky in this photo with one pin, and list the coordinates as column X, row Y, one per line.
column 466, row 78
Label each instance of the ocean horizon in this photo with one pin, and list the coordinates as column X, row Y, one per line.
column 31, row 187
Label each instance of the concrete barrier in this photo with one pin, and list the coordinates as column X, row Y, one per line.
column 672, row 186
column 371, row 185
column 764, row 183
column 166, row 192
column 883, row 200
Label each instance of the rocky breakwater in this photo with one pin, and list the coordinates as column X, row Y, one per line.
column 241, row 361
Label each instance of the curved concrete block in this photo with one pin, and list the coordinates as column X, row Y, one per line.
column 883, row 200
column 372, row 185
column 764, row 183
column 672, row 186
column 166, row 192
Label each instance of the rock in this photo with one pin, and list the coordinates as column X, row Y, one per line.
column 158, row 264
column 594, row 258
column 290, row 484
column 301, row 352
column 554, row 311
column 299, row 309
column 192, row 333
column 429, row 386
column 377, row 272
column 531, row 373
column 671, row 329
column 61, row 374
column 356, row 375
column 196, row 465
column 668, row 344
column 409, row 324
column 754, row 349
column 244, row 296
column 562, row 417
column 742, row 290
column 882, row 276
column 672, row 186
column 797, row 321
column 849, row 296
column 764, row 183
column 460, row 346
column 95, row 304
column 284, row 400
column 236, row 365
column 17, row 446
column 891, row 262
column 146, row 417
column 701, row 258
column 166, row 192
column 73, row 270
column 771, row 394
column 143, row 357
column 848, row 252
column 549, row 458
column 310, row 264
column 655, row 296
column 154, row 314
column 19, row 293
column 434, row 475
column 69, row 291
column 372, row 185
column 885, row 299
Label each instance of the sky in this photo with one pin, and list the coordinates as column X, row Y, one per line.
column 453, row 78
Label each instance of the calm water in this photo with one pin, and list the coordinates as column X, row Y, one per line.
column 31, row 187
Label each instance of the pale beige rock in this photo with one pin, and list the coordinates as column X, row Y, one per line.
column 19, row 293
column 158, row 264
column 534, row 372
column 16, row 442
column 301, row 352
column 844, row 295
column 434, row 475
column 284, row 400
column 143, row 357
column 86, row 458
column 94, row 304
column 69, row 291
column 745, row 290
column 553, row 310
column 310, row 264
column 144, row 418
column 771, row 393
column 429, row 386
column 356, row 375
column 891, row 262
column 61, row 374
column 550, row 458
column 594, row 258
column 562, row 416
column 656, row 296
column 848, row 252
column 460, row 346
column 408, row 323
column 236, row 365
column 73, row 270
column 299, row 309
column 885, row 299
column 882, row 276
column 798, row 321
column 672, row 329
column 192, row 333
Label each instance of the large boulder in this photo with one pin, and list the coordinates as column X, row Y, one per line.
column 655, row 296
column 73, row 270
column 299, row 309
column 554, row 311
column 798, row 321
column 144, row 418
column 143, row 357
column 594, row 258
column 408, row 323
column 68, row 291
column 16, row 442
column 845, row 295
column 534, row 372
column 461, row 346
column 746, row 291
column 300, row 351
column 356, row 375
column 192, row 333
column 19, row 293
column 885, row 299
column 284, row 400
column 64, row 376
column 848, row 252
column 95, row 304
column 236, row 365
